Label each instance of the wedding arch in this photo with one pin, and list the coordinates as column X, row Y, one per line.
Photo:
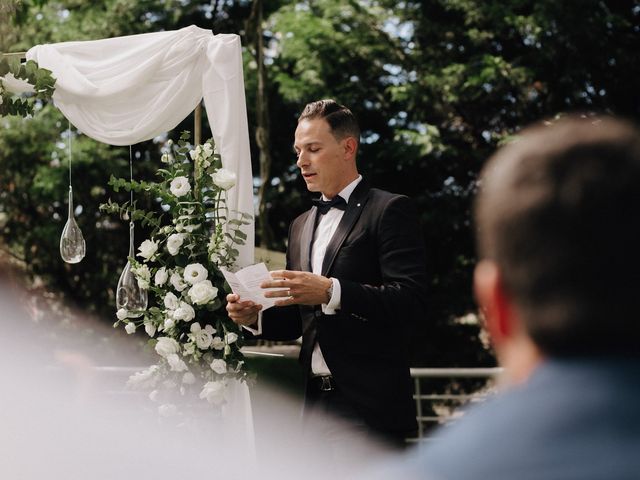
column 125, row 90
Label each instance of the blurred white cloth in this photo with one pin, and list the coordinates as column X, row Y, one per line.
column 125, row 90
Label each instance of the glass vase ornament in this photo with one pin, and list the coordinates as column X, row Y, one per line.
column 72, row 245
column 129, row 295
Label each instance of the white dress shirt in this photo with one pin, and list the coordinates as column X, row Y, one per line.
column 322, row 236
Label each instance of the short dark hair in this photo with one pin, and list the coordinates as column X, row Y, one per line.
column 341, row 120
column 559, row 212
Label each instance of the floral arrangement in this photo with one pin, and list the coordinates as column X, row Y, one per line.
column 17, row 78
column 179, row 265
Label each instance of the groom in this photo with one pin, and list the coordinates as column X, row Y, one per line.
column 355, row 278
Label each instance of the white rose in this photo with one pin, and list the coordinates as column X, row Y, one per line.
column 177, row 282
column 223, row 178
column 194, row 153
column 184, row 312
column 174, row 242
column 180, row 186
column 231, row 337
column 194, row 273
column 167, row 410
column 122, row 314
column 213, row 392
column 171, row 301
column 147, row 249
column 219, row 366
column 145, row 378
column 130, row 328
column 176, row 363
column 217, row 343
column 207, row 150
column 161, row 276
column 189, row 378
column 150, row 328
column 202, row 336
column 168, row 323
column 143, row 276
column 202, row 292
column 167, row 346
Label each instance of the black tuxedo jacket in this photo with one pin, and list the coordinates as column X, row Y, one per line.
column 377, row 254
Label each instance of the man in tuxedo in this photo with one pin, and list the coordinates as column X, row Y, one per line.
column 558, row 282
column 355, row 278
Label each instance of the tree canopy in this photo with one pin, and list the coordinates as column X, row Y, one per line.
column 437, row 85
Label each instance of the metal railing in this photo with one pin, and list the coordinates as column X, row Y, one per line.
column 441, row 406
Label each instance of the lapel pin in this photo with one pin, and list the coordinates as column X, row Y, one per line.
column 357, row 205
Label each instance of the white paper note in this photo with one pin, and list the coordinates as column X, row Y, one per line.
column 246, row 284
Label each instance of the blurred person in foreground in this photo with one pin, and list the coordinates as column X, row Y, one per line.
column 557, row 281
column 355, row 279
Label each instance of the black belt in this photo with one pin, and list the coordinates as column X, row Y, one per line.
column 323, row 383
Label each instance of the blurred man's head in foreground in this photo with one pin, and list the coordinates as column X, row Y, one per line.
column 559, row 240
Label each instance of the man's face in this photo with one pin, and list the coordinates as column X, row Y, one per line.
column 322, row 159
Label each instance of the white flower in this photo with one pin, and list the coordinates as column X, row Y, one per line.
column 195, row 153
column 145, row 378
column 184, row 312
column 217, row 343
column 177, row 282
column 180, row 186
column 168, row 323
column 219, row 366
column 167, row 410
column 130, row 328
column 167, row 346
column 150, row 328
column 213, row 392
column 176, row 363
column 202, row 292
column 143, row 275
column 188, row 378
column 147, row 249
column 207, row 150
column 166, row 158
column 161, row 277
column 171, row 301
column 122, row 314
column 174, row 242
column 231, row 337
column 194, row 273
column 202, row 336
column 223, row 178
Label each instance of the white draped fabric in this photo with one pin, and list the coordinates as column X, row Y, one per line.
column 125, row 90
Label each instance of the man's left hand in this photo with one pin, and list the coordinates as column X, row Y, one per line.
column 298, row 288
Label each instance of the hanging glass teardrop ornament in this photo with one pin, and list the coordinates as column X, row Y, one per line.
column 129, row 295
column 72, row 245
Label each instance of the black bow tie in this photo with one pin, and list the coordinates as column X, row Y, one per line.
column 324, row 206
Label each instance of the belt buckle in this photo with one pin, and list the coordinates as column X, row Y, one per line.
column 326, row 384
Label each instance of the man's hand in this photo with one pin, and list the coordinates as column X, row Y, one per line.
column 298, row 288
column 243, row 313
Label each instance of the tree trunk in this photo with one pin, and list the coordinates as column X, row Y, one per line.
column 254, row 28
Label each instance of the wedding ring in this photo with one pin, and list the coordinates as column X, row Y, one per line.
column 288, row 292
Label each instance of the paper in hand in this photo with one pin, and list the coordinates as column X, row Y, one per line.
column 246, row 284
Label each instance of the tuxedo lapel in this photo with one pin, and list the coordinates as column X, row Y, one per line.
column 356, row 204
column 306, row 237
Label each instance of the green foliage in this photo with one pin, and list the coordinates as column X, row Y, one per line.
column 40, row 80
column 437, row 85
